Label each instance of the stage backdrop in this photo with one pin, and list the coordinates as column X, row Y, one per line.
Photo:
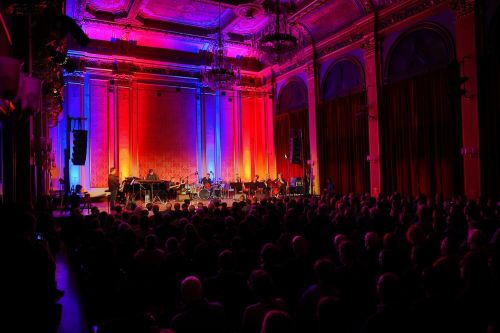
column 166, row 123
column 166, row 131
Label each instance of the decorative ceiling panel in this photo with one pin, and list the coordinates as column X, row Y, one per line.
column 109, row 6
column 250, row 19
column 186, row 12
column 332, row 17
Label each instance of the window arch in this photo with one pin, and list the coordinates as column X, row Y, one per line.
column 420, row 127
column 291, row 121
column 343, row 77
column 420, row 50
column 292, row 97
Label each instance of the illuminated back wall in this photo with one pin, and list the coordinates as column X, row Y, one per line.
column 166, row 123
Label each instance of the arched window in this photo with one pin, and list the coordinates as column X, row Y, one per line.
column 343, row 78
column 291, row 121
column 292, row 97
column 489, row 114
column 342, row 125
column 418, row 51
column 419, row 117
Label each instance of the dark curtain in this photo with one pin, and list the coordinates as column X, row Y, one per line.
column 343, row 143
column 286, row 126
column 420, row 136
column 489, row 125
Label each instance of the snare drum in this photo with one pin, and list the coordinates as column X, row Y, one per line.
column 207, row 186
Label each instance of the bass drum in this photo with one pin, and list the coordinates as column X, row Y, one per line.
column 204, row 194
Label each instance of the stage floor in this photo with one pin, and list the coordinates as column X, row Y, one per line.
column 104, row 206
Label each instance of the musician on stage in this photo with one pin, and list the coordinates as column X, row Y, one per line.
column 151, row 175
column 255, row 183
column 281, row 183
column 113, row 186
column 206, row 180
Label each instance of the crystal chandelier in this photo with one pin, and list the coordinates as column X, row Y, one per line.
column 220, row 74
column 279, row 41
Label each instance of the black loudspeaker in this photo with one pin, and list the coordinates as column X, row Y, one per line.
column 295, row 150
column 79, row 147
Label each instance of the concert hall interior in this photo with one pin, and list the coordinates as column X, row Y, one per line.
column 125, row 103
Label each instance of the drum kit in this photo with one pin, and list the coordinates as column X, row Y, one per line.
column 209, row 191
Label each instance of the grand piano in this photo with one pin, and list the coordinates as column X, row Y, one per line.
column 146, row 190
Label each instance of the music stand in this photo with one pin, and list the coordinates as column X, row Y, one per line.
column 154, row 197
column 237, row 186
column 251, row 187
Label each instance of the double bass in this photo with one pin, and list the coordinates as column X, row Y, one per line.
column 273, row 186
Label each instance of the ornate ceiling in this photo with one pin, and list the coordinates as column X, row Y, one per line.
column 188, row 25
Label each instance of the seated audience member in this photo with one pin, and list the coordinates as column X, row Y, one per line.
column 261, row 284
column 29, row 286
column 333, row 316
column 198, row 315
column 391, row 316
column 305, row 314
column 277, row 321
column 228, row 287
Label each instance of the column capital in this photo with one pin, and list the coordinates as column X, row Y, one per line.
column 369, row 46
column 75, row 77
column 310, row 70
column 462, row 8
column 124, row 79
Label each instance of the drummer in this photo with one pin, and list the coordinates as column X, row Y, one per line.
column 207, row 183
column 207, row 180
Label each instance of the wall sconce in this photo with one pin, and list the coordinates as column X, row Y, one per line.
column 10, row 73
column 469, row 151
column 372, row 158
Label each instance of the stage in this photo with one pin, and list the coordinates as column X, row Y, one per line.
column 103, row 206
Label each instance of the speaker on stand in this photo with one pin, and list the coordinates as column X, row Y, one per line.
column 79, row 155
column 295, row 150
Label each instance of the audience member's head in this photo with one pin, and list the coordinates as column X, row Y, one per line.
column 324, row 270
column 474, row 270
column 172, row 245
column 388, row 288
column 300, row 246
column 269, row 254
column 261, row 284
column 337, row 240
column 477, row 240
column 372, row 241
column 348, row 253
column 415, row 235
column 191, row 290
column 277, row 321
column 226, row 260
column 332, row 315
column 150, row 242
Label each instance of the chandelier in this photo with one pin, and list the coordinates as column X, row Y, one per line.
column 220, row 74
column 279, row 41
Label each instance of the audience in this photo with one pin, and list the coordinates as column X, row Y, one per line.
column 305, row 264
